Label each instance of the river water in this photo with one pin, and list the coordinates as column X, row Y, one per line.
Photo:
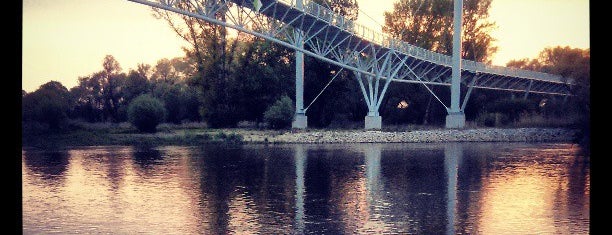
column 455, row 188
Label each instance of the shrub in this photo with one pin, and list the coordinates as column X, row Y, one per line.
column 146, row 112
column 512, row 108
column 492, row 119
column 280, row 114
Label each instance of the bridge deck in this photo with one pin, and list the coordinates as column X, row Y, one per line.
column 331, row 37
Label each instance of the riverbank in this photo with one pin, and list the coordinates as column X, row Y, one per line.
column 197, row 136
column 425, row 136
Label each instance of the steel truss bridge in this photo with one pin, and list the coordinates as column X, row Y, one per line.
column 376, row 59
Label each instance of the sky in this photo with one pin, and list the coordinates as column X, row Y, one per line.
column 63, row 40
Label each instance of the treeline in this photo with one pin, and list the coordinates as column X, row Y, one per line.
column 259, row 79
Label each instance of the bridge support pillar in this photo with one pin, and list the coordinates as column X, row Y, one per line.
column 373, row 121
column 455, row 120
column 300, row 121
column 456, row 117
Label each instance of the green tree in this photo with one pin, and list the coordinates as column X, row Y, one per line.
column 280, row 114
column 49, row 104
column 263, row 72
column 429, row 24
column 146, row 112
column 171, row 95
column 100, row 94
column 136, row 83
column 164, row 71
column 213, row 53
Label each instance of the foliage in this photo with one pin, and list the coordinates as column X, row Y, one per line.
column 429, row 24
column 263, row 71
column 99, row 95
column 146, row 112
column 347, row 8
column 573, row 64
column 512, row 108
column 492, row 119
column 171, row 97
column 49, row 104
column 280, row 114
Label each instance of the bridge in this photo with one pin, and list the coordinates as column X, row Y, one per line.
column 376, row 59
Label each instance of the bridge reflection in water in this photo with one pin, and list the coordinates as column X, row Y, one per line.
column 301, row 189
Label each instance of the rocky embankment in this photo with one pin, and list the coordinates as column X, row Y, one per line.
column 440, row 135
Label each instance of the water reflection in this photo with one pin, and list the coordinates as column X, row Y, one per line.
column 48, row 165
column 300, row 165
column 147, row 156
column 453, row 153
column 308, row 189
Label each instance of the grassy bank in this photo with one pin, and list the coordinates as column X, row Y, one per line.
column 78, row 134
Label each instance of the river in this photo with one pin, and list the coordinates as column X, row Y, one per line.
column 416, row 188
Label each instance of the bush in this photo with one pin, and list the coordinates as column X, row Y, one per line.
column 512, row 108
column 146, row 112
column 280, row 114
column 492, row 119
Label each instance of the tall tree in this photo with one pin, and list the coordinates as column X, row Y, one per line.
column 164, row 71
column 112, row 81
column 429, row 24
column 213, row 52
column 100, row 94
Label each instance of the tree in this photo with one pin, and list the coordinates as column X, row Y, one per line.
column 526, row 64
column 569, row 63
column 347, row 8
column 99, row 96
column 170, row 94
column 164, row 71
column 263, row 72
column 213, row 53
column 136, row 83
column 429, row 24
column 49, row 104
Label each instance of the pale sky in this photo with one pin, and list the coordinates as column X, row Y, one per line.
column 67, row 39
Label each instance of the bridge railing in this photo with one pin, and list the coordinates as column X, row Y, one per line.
column 325, row 14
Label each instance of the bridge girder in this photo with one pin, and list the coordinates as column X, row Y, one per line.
column 371, row 55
